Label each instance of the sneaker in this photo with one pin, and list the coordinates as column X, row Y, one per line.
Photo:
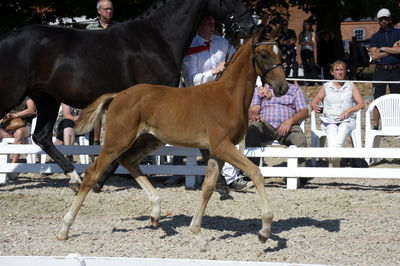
column 240, row 184
column 12, row 176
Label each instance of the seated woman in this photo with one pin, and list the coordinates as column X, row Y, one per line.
column 340, row 100
column 27, row 111
column 65, row 133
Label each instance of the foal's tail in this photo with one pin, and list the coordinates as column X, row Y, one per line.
column 91, row 115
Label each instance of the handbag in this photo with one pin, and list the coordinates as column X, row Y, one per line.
column 13, row 124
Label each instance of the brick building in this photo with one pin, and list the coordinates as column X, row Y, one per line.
column 362, row 29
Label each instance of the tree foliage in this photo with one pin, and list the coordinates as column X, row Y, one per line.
column 17, row 13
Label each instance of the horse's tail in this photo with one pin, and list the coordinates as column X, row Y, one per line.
column 91, row 115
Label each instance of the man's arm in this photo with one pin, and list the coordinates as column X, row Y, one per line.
column 378, row 53
column 254, row 112
column 284, row 128
column 395, row 49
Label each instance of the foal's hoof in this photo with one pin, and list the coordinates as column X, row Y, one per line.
column 75, row 187
column 62, row 238
column 154, row 222
column 262, row 238
column 203, row 246
column 97, row 188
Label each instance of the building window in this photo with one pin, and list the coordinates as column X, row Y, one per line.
column 359, row 33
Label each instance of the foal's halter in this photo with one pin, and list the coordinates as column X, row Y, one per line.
column 264, row 71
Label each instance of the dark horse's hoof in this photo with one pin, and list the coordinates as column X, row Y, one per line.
column 75, row 187
column 262, row 238
column 97, row 188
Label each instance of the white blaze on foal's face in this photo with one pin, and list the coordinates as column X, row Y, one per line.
column 275, row 49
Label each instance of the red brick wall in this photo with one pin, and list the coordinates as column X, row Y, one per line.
column 370, row 28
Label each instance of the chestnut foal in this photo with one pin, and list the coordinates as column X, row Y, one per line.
column 210, row 116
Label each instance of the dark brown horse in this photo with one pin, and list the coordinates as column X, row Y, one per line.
column 56, row 64
column 211, row 116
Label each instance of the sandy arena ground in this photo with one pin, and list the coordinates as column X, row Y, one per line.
column 330, row 221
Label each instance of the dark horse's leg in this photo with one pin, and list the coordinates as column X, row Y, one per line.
column 47, row 110
column 114, row 165
column 105, row 176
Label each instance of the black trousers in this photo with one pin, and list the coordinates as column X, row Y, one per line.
column 380, row 74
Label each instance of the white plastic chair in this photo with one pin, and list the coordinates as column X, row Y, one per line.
column 30, row 158
column 318, row 136
column 389, row 110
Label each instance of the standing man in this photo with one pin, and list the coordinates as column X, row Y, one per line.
column 204, row 60
column 105, row 10
column 387, row 59
column 104, row 21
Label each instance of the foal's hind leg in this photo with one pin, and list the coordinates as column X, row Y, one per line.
column 92, row 174
column 110, row 152
column 229, row 153
column 131, row 158
column 214, row 167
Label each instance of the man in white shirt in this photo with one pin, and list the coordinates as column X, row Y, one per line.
column 206, row 55
column 204, row 60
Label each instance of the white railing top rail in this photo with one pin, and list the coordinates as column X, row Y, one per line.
column 345, row 80
column 269, row 152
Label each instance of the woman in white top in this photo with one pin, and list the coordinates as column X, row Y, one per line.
column 340, row 100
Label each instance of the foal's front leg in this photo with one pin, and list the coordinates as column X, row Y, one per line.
column 230, row 154
column 214, row 167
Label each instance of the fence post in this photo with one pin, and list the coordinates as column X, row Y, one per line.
column 292, row 163
column 3, row 160
column 190, row 180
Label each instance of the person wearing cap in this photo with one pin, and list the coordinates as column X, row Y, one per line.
column 384, row 50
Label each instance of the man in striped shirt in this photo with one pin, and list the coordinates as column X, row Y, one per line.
column 274, row 118
column 277, row 118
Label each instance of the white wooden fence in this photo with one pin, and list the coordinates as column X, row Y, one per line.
column 77, row 260
column 191, row 169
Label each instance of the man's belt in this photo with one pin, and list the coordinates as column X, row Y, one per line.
column 388, row 67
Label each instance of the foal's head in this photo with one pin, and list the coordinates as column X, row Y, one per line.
column 267, row 61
